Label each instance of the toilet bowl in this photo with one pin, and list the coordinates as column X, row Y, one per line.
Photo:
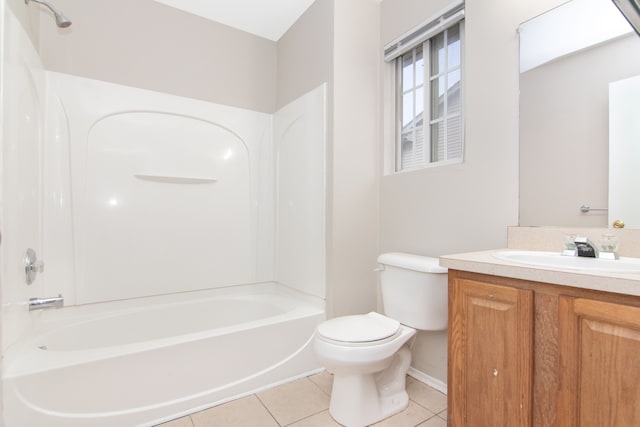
column 360, row 394
column 370, row 354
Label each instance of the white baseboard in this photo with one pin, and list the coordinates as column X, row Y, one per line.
column 428, row 380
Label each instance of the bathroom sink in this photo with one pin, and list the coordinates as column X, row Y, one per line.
column 555, row 260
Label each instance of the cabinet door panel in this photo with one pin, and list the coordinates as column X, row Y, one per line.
column 491, row 350
column 600, row 357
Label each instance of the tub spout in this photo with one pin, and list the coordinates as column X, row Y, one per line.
column 40, row 303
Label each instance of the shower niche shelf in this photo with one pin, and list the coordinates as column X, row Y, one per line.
column 174, row 179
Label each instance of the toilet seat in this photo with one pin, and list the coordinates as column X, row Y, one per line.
column 359, row 329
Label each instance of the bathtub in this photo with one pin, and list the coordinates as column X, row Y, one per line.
column 148, row 360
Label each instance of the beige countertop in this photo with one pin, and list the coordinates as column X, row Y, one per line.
column 484, row 262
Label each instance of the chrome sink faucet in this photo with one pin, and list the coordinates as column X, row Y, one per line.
column 585, row 248
column 40, row 303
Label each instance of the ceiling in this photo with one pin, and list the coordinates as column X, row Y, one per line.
column 265, row 18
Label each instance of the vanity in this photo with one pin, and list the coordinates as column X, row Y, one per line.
column 542, row 346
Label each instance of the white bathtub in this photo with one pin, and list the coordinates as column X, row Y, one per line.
column 148, row 360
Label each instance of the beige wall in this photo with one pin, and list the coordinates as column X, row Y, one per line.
column 29, row 18
column 463, row 207
column 354, row 169
column 564, row 134
column 305, row 53
column 152, row 46
column 400, row 16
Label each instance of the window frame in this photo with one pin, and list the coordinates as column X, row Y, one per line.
column 394, row 54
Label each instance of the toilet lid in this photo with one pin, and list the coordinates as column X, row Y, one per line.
column 359, row 328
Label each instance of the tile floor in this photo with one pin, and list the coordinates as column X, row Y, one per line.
column 305, row 403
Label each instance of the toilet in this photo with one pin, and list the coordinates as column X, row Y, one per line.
column 369, row 354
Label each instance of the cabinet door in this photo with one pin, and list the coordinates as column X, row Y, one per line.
column 490, row 353
column 600, row 363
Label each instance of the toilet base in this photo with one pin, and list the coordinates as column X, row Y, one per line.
column 360, row 400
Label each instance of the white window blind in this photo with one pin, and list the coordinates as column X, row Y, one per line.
column 419, row 34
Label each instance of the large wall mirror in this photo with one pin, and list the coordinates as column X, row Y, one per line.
column 574, row 65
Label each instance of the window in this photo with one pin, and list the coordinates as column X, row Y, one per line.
column 428, row 103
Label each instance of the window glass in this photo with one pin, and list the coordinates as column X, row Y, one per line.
column 453, row 43
column 437, row 56
column 430, row 130
column 419, row 67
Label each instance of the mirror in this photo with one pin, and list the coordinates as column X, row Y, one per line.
column 631, row 11
column 568, row 58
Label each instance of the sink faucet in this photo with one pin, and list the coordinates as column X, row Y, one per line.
column 586, row 248
column 40, row 303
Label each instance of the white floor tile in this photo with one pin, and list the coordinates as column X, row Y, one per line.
column 294, row 401
column 426, row 396
column 245, row 412
column 324, row 380
column 180, row 422
column 410, row 417
column 323, row 419
column 434, row 422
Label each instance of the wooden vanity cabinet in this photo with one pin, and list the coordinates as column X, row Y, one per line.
column 599, row 363
column 526, row 353
column 491, row 336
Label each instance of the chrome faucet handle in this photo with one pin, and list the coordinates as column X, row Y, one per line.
column 32, row 266
column 608, row 246
column 569, row 245
column 38, row 266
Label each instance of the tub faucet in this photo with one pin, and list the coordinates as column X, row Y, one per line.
column 40, row 303
column 585, row 248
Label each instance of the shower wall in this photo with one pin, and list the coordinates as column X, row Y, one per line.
column 149, row 193
column 166, row 192
column 299, row 131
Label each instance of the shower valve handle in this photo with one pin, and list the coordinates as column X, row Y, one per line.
column 37, row 267
column 32, row 265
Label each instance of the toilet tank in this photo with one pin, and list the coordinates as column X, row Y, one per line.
column 414, row 290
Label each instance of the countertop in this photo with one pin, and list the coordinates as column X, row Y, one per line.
column 484, row 262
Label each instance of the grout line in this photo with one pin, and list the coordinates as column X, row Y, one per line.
column 424, row 407
column 318, row 387
column 267, row 409
column 430, row 418
column 445, row 411
column 304, row 418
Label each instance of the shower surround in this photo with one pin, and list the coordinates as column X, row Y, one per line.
column 177, row 230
